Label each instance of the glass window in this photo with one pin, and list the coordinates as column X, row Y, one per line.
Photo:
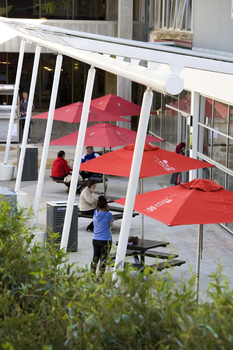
column 170, row 125
column 89, row 9
column 65, row 86
column 172, row 13
column 79, row 72
column 23, row 8
column 3, row 8
column 47, row 66
column 55, row 9
column 218, row 176
column 220, row 116
column 231, row 121
column 208, row 111
column 219, row 148
column 185, row 101
column 3, row 68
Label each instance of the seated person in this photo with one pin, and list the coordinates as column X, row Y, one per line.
column 90, row 154
column 88, row 201
column 60, row 168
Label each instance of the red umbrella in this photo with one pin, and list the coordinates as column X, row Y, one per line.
column 155, row 162
column 196, row 202
column 103, row 135
column 116, row 105
column 72, row 114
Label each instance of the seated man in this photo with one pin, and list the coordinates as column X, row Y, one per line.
column 60, row 168
column 90, row 154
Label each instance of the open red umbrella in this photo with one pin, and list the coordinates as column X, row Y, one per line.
column 156, row 161
column 196, row 202
column 103, row 135
column 116, row 105
column 72, row 114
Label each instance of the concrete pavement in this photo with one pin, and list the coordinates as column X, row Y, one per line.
column 218, row 242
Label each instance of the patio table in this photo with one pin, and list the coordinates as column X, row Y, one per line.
column 143, row 245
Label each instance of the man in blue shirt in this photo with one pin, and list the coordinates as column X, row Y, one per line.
column 90, row 154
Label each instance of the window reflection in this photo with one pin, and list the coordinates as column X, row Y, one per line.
column 89, row 9
column 54, row 9
column 3, row 8
column 23, row 8
column 218, row 177
column 185, row 101
column 231, row 121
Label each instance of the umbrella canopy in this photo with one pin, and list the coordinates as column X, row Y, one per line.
column 116, row 105
column 72, row 114
column 155, row 162
column 103, row 135
column 196, row 202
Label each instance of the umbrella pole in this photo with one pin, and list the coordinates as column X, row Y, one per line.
column 199, row 246
column 142, row 216
column 104, row 176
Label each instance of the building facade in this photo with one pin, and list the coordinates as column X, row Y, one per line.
column 201, row 116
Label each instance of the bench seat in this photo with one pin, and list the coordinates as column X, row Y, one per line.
column 159, row 255
column 112, row 256
column 160, row 266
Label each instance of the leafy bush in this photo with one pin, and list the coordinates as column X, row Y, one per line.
column 47, row 304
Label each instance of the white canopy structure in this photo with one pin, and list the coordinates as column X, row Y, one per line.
column 153, row 65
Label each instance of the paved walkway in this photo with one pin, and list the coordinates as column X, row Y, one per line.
column 218, row 242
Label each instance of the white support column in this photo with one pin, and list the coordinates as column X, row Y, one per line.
column 14, row 101
column 77, row 158
column 199, row 248
column 28, row 116
column 47, row 136
column 134, row 176
column 195, row 114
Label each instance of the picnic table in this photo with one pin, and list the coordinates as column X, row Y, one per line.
column 143, row 249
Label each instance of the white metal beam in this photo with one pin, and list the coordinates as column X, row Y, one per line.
column 134, row 176
column 130, row 48
column 157, row 80
column 14, row 101
column 48, row 132
column 77, row 157
column 27, row 120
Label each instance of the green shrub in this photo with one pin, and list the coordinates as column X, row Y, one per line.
column 47, row 304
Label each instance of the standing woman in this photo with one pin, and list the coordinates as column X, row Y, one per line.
column 102, row 240
column 176, row 178
column 88, row 201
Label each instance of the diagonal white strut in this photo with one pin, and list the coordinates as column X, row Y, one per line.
column 77, row 158
column 14, row 101
column 48, row 132
column 28, row 117
column 134, row 176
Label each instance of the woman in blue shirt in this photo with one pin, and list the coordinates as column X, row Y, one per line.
column 102, row 240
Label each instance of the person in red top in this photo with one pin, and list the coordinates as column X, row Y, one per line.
column 60, row 168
